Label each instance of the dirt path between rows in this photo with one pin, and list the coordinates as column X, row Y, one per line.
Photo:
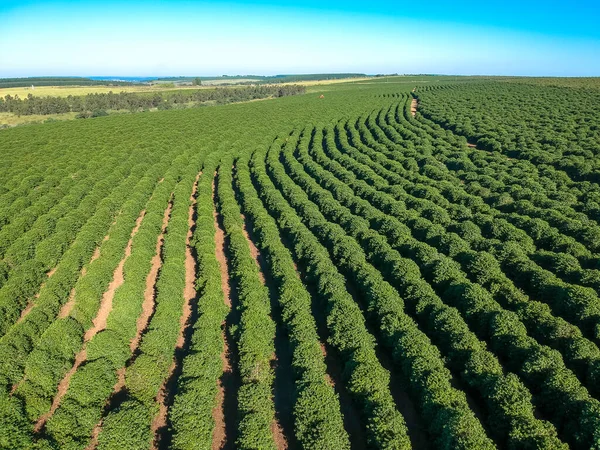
column 413, row 107
column 150, row 292
column 164, row 397
column 67, row 307
column 141, row 324
column 32, row 303
column 99, row 324
column 224, row 414
column 118, row 388
column 281, row 400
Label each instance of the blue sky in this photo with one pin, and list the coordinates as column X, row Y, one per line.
column 177, row 37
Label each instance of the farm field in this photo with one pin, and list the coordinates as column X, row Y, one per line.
column 395, row 263
column 65, row 91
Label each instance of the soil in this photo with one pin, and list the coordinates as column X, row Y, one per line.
column 165, row 397
column 27, row 309
column 66, row 308
column 118, row 387
column 31, row 304
column 225, row 411
column 149, row 293
column 283, row 384
column 99, row 324
column 413, row 107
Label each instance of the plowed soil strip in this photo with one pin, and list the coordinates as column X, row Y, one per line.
column 68, row 307
column 99, row 324
column 165, row 397
column 150, row 292
column 413, row 107
column 118, row 388
column 142, row 324
column 28, row 308
column 224, row 413
column 31, row 303
column 282, row 426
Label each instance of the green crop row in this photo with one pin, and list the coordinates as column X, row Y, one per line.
column 108, row 351
column 580, row 353
column 26, row 279
column 32, row 191
column 29, row 211
column 495, row 178
column 583, row 303
column 479, row 308
column 563, row 137
column 466, row 355
column 191, row 416
column 255, row 330
column 318, row 420
column 24, row 336
column 444, row 407
column 535, row 197
column 128, row 424
column 55, row 352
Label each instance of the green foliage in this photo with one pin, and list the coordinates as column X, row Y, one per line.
column 474, row 269
column 97, row 104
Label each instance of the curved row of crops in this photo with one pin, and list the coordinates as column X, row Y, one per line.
column 355, row 277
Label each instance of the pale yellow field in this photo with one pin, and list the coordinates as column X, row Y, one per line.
column 65, row 91
column 13, row 120
column 325, row 82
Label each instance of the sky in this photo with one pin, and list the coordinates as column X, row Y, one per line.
column 268, row 37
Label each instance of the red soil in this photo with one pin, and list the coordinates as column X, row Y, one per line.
column 31, row 303
column 160, row 421
column 148, row 304
column 119, row 386
column 413, row 107
column 276, row 428
column 99, row 324
column 219, row 435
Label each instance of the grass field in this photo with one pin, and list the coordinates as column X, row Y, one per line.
column 406, row 263
column 65, row 91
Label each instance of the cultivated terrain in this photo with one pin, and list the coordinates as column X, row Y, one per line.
column 396, row 262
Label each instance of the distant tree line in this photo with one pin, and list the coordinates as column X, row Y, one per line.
column 92, row 105
column 269, row 79
column 58, row 81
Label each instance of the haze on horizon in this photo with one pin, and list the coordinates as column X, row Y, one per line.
column 267, row 37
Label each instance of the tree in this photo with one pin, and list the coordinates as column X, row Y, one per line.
column 197, row 81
